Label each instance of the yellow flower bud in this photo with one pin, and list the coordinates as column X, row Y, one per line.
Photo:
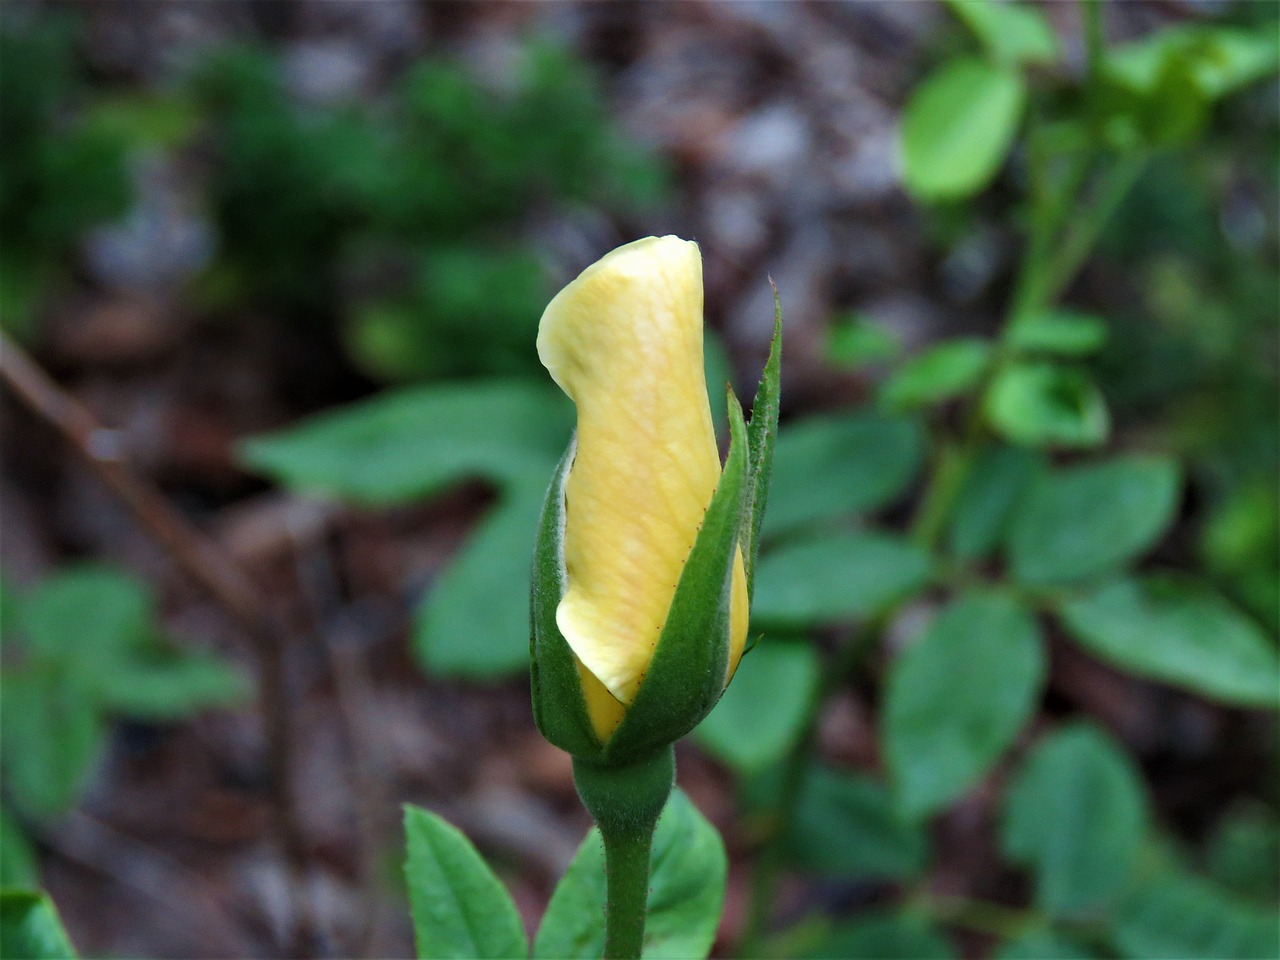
column 624, row 341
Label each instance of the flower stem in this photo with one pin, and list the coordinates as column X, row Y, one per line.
column 625, row 802
column 626, row 867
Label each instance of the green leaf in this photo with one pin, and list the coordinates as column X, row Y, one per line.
column 846, row 825
column 686, row 892
column 988, row 497
column 167, row 685
column 885, row 935
column 1046, row 405
column 762, row 435
column 51, row 735
column 857, row 341
column 1063, row 333
column 763, row 710
column 1084, row 521
column 958, row 127
column 460, row 909
column 1013, row 33
column 1173, row 112
column 1179, row 915
column 838, row 576
column 473, row 621
column 1075, row 815
column 17, row 859
column 409, row 444
column 1177, row 630
column 958, row 697
column 1244, row 851
column 832, row 466
column 88, row 617
column 1219, row 59
column 30, row 928
column 944, row 372
column 1042, row 945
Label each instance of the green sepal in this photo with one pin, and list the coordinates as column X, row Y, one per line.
column 687, row 674
column 761, row 434
column 559, row 708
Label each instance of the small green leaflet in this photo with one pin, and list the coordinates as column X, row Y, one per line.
column 958, row 697
column 958, row 127
column 1075, row 814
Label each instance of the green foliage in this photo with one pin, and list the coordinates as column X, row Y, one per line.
column 958, row 127
column 847, row 825
column 410, row 216
column 837, row 576
column 415, row 442
column 460, row 909
column 1135, row 123
column 762, row 712
column 1011, row 32
column 80, row 649
column 1244, row 854
column 30, row 928
column 1079, row 522
column 836, row 466
column 1064, row 333
column 886, row 935
column 59, row 173
column 944, row 372
column 1042, row 945
column 1046, row 405
column 469, row 624
column 1173, row 628
column 1177, row 914
column 958, row 697
column 686, row 892
column 995, row 484
column 1219, row 59
column 1076, row 817
column 855, row 340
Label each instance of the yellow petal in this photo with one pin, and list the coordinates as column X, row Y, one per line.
column 624, row 341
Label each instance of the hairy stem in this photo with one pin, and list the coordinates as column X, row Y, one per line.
column 625, row 801
column 626, row 867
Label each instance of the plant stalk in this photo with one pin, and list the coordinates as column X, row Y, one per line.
column 625, row 802
column 626, row 867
